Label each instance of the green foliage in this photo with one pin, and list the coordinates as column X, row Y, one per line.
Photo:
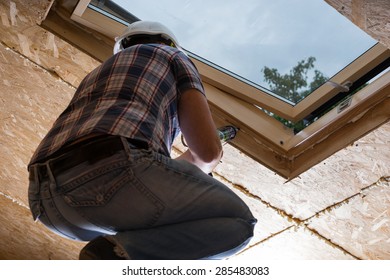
column 294, row 86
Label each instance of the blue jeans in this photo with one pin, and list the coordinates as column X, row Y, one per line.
column 149, row 205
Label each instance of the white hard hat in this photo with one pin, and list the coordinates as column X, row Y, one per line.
column 145, row 28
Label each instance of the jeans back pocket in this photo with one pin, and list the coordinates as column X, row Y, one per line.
column 96, row 188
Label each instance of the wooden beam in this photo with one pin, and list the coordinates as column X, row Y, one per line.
column 87, row 40
column 334, row 120
column 260, row 136
column 250, row 117
column 368, row 109
column 243, row 90
column 104, row 25
column 253, row 145
column 345, row 135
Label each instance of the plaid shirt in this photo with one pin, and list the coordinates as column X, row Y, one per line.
column 133, row 94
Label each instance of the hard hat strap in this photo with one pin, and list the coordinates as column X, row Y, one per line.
column 145, row 39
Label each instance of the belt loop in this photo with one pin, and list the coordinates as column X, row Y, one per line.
column 37, row 181
column 50, row 174
column 36, row 174
column 125, row 144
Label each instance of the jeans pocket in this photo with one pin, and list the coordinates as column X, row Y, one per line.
column 114, row 200
column 95, row 188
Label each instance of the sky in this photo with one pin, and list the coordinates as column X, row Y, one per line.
column 246, row 35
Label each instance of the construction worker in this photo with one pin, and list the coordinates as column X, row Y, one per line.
column 104, row 174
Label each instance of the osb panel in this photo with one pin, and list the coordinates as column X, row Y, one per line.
column 340, row 176
column 36, row 12
column 362, row 224
column 19, row 31
column 372, row 16
column 297, row 243
column 23, row 239
column 30, row 100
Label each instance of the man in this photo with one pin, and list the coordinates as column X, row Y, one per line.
column 103, row 173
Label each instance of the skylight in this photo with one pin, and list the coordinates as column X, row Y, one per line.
column 244, row 37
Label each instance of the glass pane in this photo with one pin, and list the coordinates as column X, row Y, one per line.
column 289, row 47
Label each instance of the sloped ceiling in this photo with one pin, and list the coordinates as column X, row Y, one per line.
column 346, row 196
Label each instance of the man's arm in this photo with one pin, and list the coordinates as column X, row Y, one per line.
column 198, row 128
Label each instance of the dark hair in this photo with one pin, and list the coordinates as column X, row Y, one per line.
column 145, row 39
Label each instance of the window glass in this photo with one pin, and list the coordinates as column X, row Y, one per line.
column 288, row 47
